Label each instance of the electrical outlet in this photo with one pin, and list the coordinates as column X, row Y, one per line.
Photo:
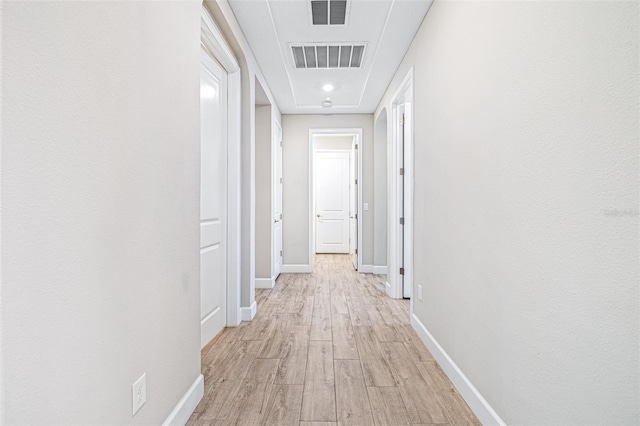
column 419, row 292
column 366, row 207
column 139, row 393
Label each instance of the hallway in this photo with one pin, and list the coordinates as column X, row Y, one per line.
column 325, row 347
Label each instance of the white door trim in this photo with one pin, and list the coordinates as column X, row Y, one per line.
column 357, row 132
column 403, row 96
column 212, row 39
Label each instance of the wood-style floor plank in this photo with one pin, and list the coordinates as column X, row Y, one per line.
column 374, row 364
column 319, row 398
column 351, row 394
column 327, row 348
column 387, row 406
column 344, row 342
column 321, row 318
column 283, row 405
column 293, row 356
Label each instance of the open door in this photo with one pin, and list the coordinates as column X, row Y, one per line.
column 277, row 205
column 353, row 203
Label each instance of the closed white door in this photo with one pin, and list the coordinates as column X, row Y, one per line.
column 213, row 198
column 277, row 211
column 353, row 204
column 332, row 202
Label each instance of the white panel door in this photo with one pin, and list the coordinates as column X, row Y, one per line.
column 213, row 198
column 332, row 202
column 277, row 208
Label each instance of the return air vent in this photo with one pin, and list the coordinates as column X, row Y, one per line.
column 329, row 12
column 328, row 56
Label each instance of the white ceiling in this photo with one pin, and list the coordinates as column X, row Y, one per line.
column 386, row 26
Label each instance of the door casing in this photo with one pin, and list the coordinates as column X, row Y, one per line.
column 401, row 236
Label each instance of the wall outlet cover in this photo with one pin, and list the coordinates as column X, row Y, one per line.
column 139, row 393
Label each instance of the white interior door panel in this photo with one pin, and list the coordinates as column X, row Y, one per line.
column 213, row 198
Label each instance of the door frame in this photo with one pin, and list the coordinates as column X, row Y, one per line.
column 214, row 42
column 403, row 96
column 357, row 132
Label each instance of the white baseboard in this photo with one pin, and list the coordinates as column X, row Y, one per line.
column 265, row 282
column 296, row 269
column 187, row 404
column 366, row 269
column 481, row 408
column 380, row 270
column 249, row 313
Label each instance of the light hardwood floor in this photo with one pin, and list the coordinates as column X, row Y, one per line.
column 326, row 348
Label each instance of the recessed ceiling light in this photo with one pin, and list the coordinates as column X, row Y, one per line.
column 327, row 87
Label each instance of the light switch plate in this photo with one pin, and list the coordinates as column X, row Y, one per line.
column 366, row 207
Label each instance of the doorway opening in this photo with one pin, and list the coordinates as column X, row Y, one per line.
column 335, row 169
column 268, row 184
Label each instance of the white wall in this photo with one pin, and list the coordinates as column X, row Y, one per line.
column 295, row 171
column 337, row 143
column 100, row 197
column 526, row 139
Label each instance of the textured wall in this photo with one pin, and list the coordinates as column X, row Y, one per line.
column 526, row 202
column 100, row 209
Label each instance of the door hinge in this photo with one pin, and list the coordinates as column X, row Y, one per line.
column 401, row 171
column 401, row 271
column 402, row 221
column 356, row 181
column 356, row 215
column 356, row 146
column 280, row 180
column 356, row 251
column 280, row 253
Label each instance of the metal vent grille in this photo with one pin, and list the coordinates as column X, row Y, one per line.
column 328, row 12
column 328, row 56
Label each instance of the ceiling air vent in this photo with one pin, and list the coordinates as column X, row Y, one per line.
column 328, row 55
column 329, row 12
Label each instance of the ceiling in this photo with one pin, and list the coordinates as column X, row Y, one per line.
column 385, row 27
